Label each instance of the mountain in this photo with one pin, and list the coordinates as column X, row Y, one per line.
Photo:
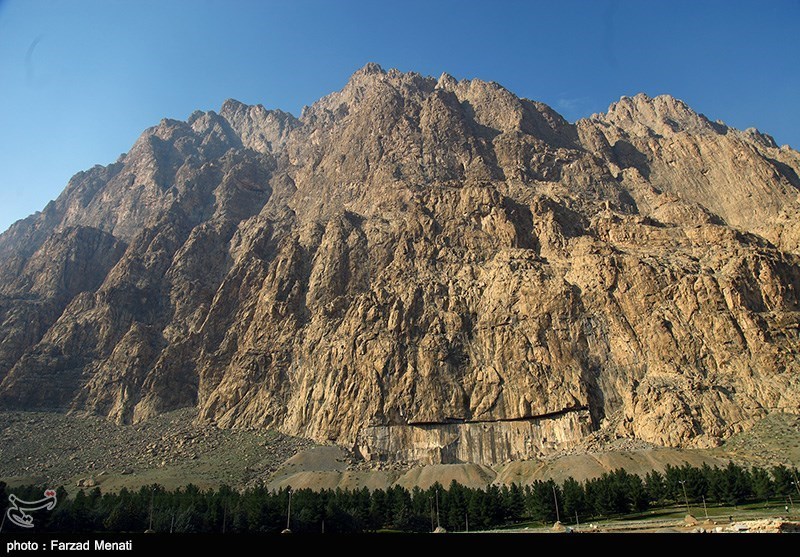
column 421, row 269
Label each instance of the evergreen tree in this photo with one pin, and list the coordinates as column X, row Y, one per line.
column 377, row 510
column 400, row 504
column 541, row 502
column 456, row 504
column 422, row 510
column 672, row 482
column 493, row 502
column 736, row 484
column 637, row 494
column 574, row 499
column 763, row 488
column 476, row 508
column 696, row 484
column 715, row 478
column 514, row 504
column 655, row 486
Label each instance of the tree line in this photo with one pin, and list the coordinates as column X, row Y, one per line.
column 455, row 508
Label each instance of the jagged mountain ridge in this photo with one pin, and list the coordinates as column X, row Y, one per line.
column 431, row 270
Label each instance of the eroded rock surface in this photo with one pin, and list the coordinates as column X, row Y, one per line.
column 420, row 268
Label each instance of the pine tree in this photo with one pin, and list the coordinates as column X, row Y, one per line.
column 763, row 487
column 377, row 510
column 655, row 486
column 574, row 498
column 637, row 494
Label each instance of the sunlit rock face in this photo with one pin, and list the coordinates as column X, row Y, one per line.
column 420, row 269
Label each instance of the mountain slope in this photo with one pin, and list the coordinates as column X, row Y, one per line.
column 429, row 270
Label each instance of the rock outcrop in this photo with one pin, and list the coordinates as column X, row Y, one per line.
column 419, row 268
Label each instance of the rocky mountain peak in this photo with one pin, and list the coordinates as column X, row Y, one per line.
column 231, row 107
column 371, row 68
column 446, row 81
column 258, row 128
column 763, row 139
column 663, row 115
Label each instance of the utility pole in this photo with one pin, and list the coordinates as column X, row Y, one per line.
column 289, row 511
column 704, row 506
column 577, row 523
column 466, row 521
column 224, row 516
column 555, row 498
column 683, row 483
column 796, row 483
column 438, row 524
column 152, row 494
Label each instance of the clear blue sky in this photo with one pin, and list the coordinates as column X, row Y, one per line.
column 81, row 79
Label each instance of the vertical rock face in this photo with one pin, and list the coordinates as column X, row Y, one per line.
column 423, row 269
column 481, row 442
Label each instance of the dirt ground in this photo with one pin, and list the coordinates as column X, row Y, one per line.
column 774, row 440
column 175, row 449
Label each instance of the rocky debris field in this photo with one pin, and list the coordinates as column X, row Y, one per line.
column 601, row 441
column 767, row 526
column 173, row 449
column 773, row 440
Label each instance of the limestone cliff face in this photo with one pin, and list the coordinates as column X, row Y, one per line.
column 423, row 269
